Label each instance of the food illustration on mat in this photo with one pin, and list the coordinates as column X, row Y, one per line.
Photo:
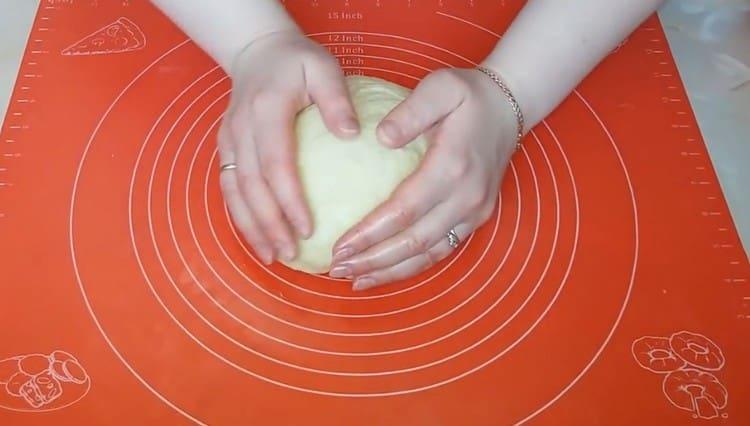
column 697, row 350
column 699, row 392
column 655, row 354
column 118, row 37
column 687, row 359
column 38, row 382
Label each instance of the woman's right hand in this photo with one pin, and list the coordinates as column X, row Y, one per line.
column 274, row 78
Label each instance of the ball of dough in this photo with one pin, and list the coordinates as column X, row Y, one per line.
column 345, row 179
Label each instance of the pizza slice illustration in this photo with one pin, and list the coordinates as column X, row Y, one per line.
column 120, row 36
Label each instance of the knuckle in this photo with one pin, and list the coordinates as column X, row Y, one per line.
column 274, row 164
column 361, row 267
column 475, row 198
column 274, row 227
column 361, row 239
column 276, row 241
column 320, row 65
column 267, row 163
column 329, row 62
column 338, row 104
column 430, row 259
column 235, row 129
column 262, row 101
column 408, row 109
column 383, row 276
column 404, row 216
column 416, row 244
column 457, row 168
column 245, row 178
column 410, row 117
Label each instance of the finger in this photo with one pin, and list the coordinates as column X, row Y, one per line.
column 433, row 99
column 238, row 210
column 260, row 200
column 242, row 217
column 273, row 132
column 327, row 87
column 412, row 199
column 406, row 269
column 415, row 240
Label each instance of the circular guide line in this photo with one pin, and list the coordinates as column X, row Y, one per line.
column 190, row 131
column 284, row 363
column 633, row 270
column 221, row 248
column 636, row 236
column 538, row 142
column 81, row 286
column 163, row 399
column 187, row 192
column 636, row 245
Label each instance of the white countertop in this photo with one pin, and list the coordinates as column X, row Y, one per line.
column 710, row 41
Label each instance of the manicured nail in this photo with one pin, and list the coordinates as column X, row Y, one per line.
column 342, row 254
column 349, row 126
column 389, row 132
column 363, row 283
column 340, row 272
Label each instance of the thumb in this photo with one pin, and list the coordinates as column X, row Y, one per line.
column 327, row 87
column 432, row 100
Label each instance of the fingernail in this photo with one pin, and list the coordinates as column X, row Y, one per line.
column 284, row 251
column 340, row 272
column 266, row 257
column 303, row 229
column 350, row 126
column 390, row 133
column 363, row 283
column 288, row 253
column 342, row 254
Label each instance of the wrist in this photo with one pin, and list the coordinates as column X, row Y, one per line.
column 525, row 96
column 506, row 103
column 236, row 63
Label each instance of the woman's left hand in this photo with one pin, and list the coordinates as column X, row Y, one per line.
column 471, row 131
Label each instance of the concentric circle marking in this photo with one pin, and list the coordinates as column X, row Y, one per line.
column 477, row 324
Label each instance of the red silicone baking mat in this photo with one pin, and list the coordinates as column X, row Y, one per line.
column 610, row 288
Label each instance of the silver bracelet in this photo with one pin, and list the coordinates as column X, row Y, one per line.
column 511, row 100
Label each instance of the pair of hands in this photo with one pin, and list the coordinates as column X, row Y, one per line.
column 469, row 125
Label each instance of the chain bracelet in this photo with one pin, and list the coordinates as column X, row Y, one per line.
column 511, row 100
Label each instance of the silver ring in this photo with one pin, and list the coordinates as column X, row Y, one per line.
column 453, row 239
column 226, row 167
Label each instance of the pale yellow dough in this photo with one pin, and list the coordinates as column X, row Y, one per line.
column 344, row 180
